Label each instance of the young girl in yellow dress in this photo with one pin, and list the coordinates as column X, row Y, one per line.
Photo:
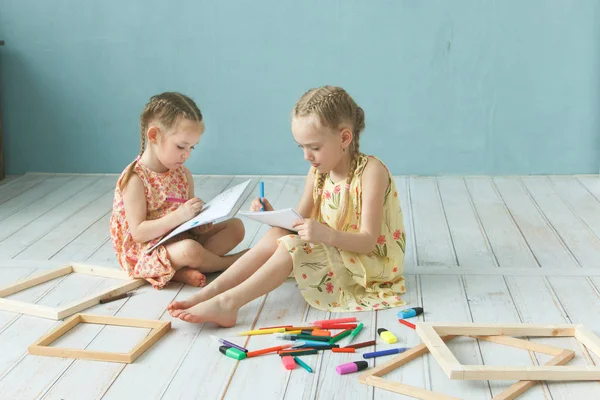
column 348, row 253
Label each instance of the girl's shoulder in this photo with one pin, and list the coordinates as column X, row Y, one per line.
column 370, row 163
column 374, row 169
column 374, row 164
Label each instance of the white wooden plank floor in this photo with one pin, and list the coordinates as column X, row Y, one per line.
column 482, row 249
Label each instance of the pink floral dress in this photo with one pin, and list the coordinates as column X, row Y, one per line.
column 155, row 267
column 338, row 280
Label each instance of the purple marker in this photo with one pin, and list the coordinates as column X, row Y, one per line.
column 385, row 352
column 351, row 367
column 227, row 343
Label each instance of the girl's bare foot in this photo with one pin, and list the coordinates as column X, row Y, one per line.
column 217, row 310
column 177, row 307
column 190, row 276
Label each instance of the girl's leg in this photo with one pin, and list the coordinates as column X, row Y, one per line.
column 223, row 308
column 190, row 253
column 223, row 237
column 190, row 258
column 237, row 273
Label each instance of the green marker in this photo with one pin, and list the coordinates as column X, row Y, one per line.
column 355, row 332
column 232, row 352
column 340, row 336
column 302, row 364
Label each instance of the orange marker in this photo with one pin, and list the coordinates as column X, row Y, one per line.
column 267, row 350
column 343, row 350
column 298, row 328
column 320, row 332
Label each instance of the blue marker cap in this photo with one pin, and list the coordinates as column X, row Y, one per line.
column 410, row 312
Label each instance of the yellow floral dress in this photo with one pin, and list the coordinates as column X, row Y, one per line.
column 338, row 280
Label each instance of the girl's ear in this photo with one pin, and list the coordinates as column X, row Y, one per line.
column 152, row 134
column 346, row 137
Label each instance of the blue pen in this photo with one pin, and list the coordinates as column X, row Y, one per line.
column 385, row 352
column 262, row 195
column 315, row 344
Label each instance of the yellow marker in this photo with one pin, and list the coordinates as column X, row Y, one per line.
column 262, row 332
column 387, row 335
column 293, row 332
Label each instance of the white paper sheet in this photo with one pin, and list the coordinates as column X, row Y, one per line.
column 222, row 207
column 281, row 218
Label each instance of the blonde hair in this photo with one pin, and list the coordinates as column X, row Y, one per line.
column 164, row 108
column 333, row 107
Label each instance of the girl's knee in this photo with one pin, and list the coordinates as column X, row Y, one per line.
column 270, row 239
column 237, row 229
column 276, row 232
column 192, row 252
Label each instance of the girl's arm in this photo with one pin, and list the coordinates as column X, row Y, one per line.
column 190, row 180
column 306, row 203
column 142, row 231
column 375, row 180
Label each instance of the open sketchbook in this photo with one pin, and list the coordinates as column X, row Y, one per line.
column 282, row 218
column 222, row 207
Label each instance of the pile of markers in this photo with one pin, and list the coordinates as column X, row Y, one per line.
column 307, row 340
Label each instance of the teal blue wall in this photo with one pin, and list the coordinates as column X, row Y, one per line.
column 494, row 87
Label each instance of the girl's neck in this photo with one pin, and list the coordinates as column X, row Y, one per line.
column 150, row 160
column 341, row 170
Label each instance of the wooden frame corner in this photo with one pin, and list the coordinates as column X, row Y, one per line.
column 430, row 335
column 373, row 377
column 58, row 313
column 159, row 329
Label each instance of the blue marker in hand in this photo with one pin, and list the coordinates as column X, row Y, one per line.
column 262, row 195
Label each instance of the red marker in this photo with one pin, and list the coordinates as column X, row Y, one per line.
column 334, row 321
column 176, row 200
column 404, row 322
column 338, row 326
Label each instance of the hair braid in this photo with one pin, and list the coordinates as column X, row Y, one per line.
column 333, row 108
column 354, row 157
column 165, row 109
column 316, row 210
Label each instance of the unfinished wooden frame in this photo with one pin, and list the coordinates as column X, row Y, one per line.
column 430, row 335
column 373, row 376
column 39, row 310
column 159, row 329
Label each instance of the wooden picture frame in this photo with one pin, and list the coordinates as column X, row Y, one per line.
column 58, row 313
column 159, row 329
column 373, row 376
column 430, row 335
